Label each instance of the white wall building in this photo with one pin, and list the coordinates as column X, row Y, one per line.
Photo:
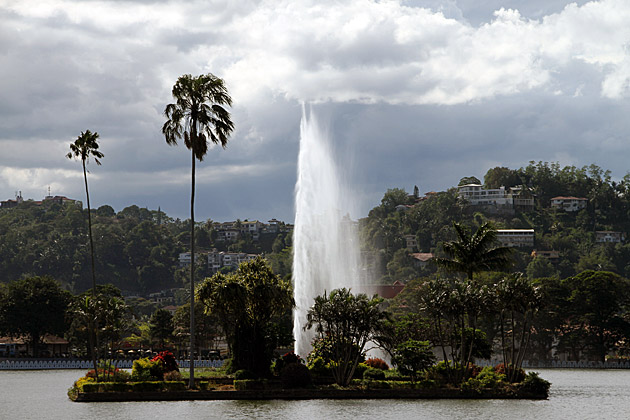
column 516, row 237
column 569, row 203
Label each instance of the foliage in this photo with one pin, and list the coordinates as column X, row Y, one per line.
column 147, row 370
column 512, row 373
column 486, row 379
column 518, row 301
column 161, row 327
column 534, row 384
column 374, row 373
column 167, row 360
column 33, row 307
column 245, row 374
column 413, row 357
column 250, row 305
column 472, row 253
column 295, row 375
column 284, row 360
column 349, row 322
column 173, row 375
column 378, row 363
column 249, row 384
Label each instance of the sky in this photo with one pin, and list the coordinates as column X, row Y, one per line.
column 411, row 93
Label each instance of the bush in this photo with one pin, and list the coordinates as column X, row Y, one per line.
column 371, row 384
column 249, row 384
column 516, row 375
column 373, row 373
column 534, row 384
column 413, row 357
column 377, row 363
column 295, row 375
column 244, row 374
column 153, row 386
column 284, row 360
column 82, row 381
column 115, row 387
column 175, row 386
column 166, row 358
column 90, row 387
column 318, row 366
column 147, row 370
column 359, row 370
column 173, row 375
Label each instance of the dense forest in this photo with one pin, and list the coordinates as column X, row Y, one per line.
column 136, row 249
column 429, row 219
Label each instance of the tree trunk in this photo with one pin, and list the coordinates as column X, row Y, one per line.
column 94, row 342
column 191, row 383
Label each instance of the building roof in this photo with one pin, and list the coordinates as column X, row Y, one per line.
column 570, row 198
column 422, row 256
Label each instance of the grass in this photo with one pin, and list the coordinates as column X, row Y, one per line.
column 205, row 373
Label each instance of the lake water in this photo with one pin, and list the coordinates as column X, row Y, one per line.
column 575, row 394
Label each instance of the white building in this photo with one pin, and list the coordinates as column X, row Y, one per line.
column 607, row 236
column 476, row 195
column 569, row 203
column 516, row 237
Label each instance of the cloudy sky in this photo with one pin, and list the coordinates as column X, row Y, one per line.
column 412, row 93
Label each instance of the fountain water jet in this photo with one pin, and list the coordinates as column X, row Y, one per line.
column 325, row 244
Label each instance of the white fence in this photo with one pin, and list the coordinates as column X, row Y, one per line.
column 17, row 364
column 561, row 364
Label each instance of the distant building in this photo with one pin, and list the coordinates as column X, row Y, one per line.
column 412, row 243
column 552, row 256
column 516, row 237
column 513, row 197
column 607, row 236
column 569, row 203
column 421, row 259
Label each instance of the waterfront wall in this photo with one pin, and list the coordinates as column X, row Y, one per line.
column 550, row 364
column 17, row 364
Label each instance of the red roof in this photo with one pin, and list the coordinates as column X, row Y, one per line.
column 422, row 256
column 569, row 198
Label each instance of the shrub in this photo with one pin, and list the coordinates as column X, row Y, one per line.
column 359, row 370
column 152, row 386
column 534, row 384
column 147, row 370
column 244, row 374
column 166, row 358
column 377, row 363
column 373, row 373
column 376, row 384
column 318, row 366
column 413, row 357
column 284, row 360
column 82, row 381
column 295, row 375
column 175, row 386
column 173, row 375
column 249, row 384
column 115, row 387
column 511, row 373
column 90, row 387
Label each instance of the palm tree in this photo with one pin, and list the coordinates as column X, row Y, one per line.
column 472, row 253
column 83, row 147
column 199, row 116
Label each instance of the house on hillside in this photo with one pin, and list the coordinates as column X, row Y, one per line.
column 516, row 238
column 607, row 236
column 513, row 197
column 569, row 203
column 421, row 259
column 552, row 256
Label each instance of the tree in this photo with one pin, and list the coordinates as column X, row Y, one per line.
column 250, row 305
column 469, row 180
column 474, row 253
column 33, row 307
column 501, row 177
column 412, row 357
column 596, row 303
column 518, row 301
column 199, row 116
column 84, row 146
column 350, row 322
column 161, row 327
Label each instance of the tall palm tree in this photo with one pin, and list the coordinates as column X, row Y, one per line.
column 199, row 116
column 472, row 253
column 84, row 146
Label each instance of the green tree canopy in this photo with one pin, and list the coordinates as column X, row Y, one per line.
column 349, row 321
column 249, row 305
column 33, row 307
column 472, row 253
